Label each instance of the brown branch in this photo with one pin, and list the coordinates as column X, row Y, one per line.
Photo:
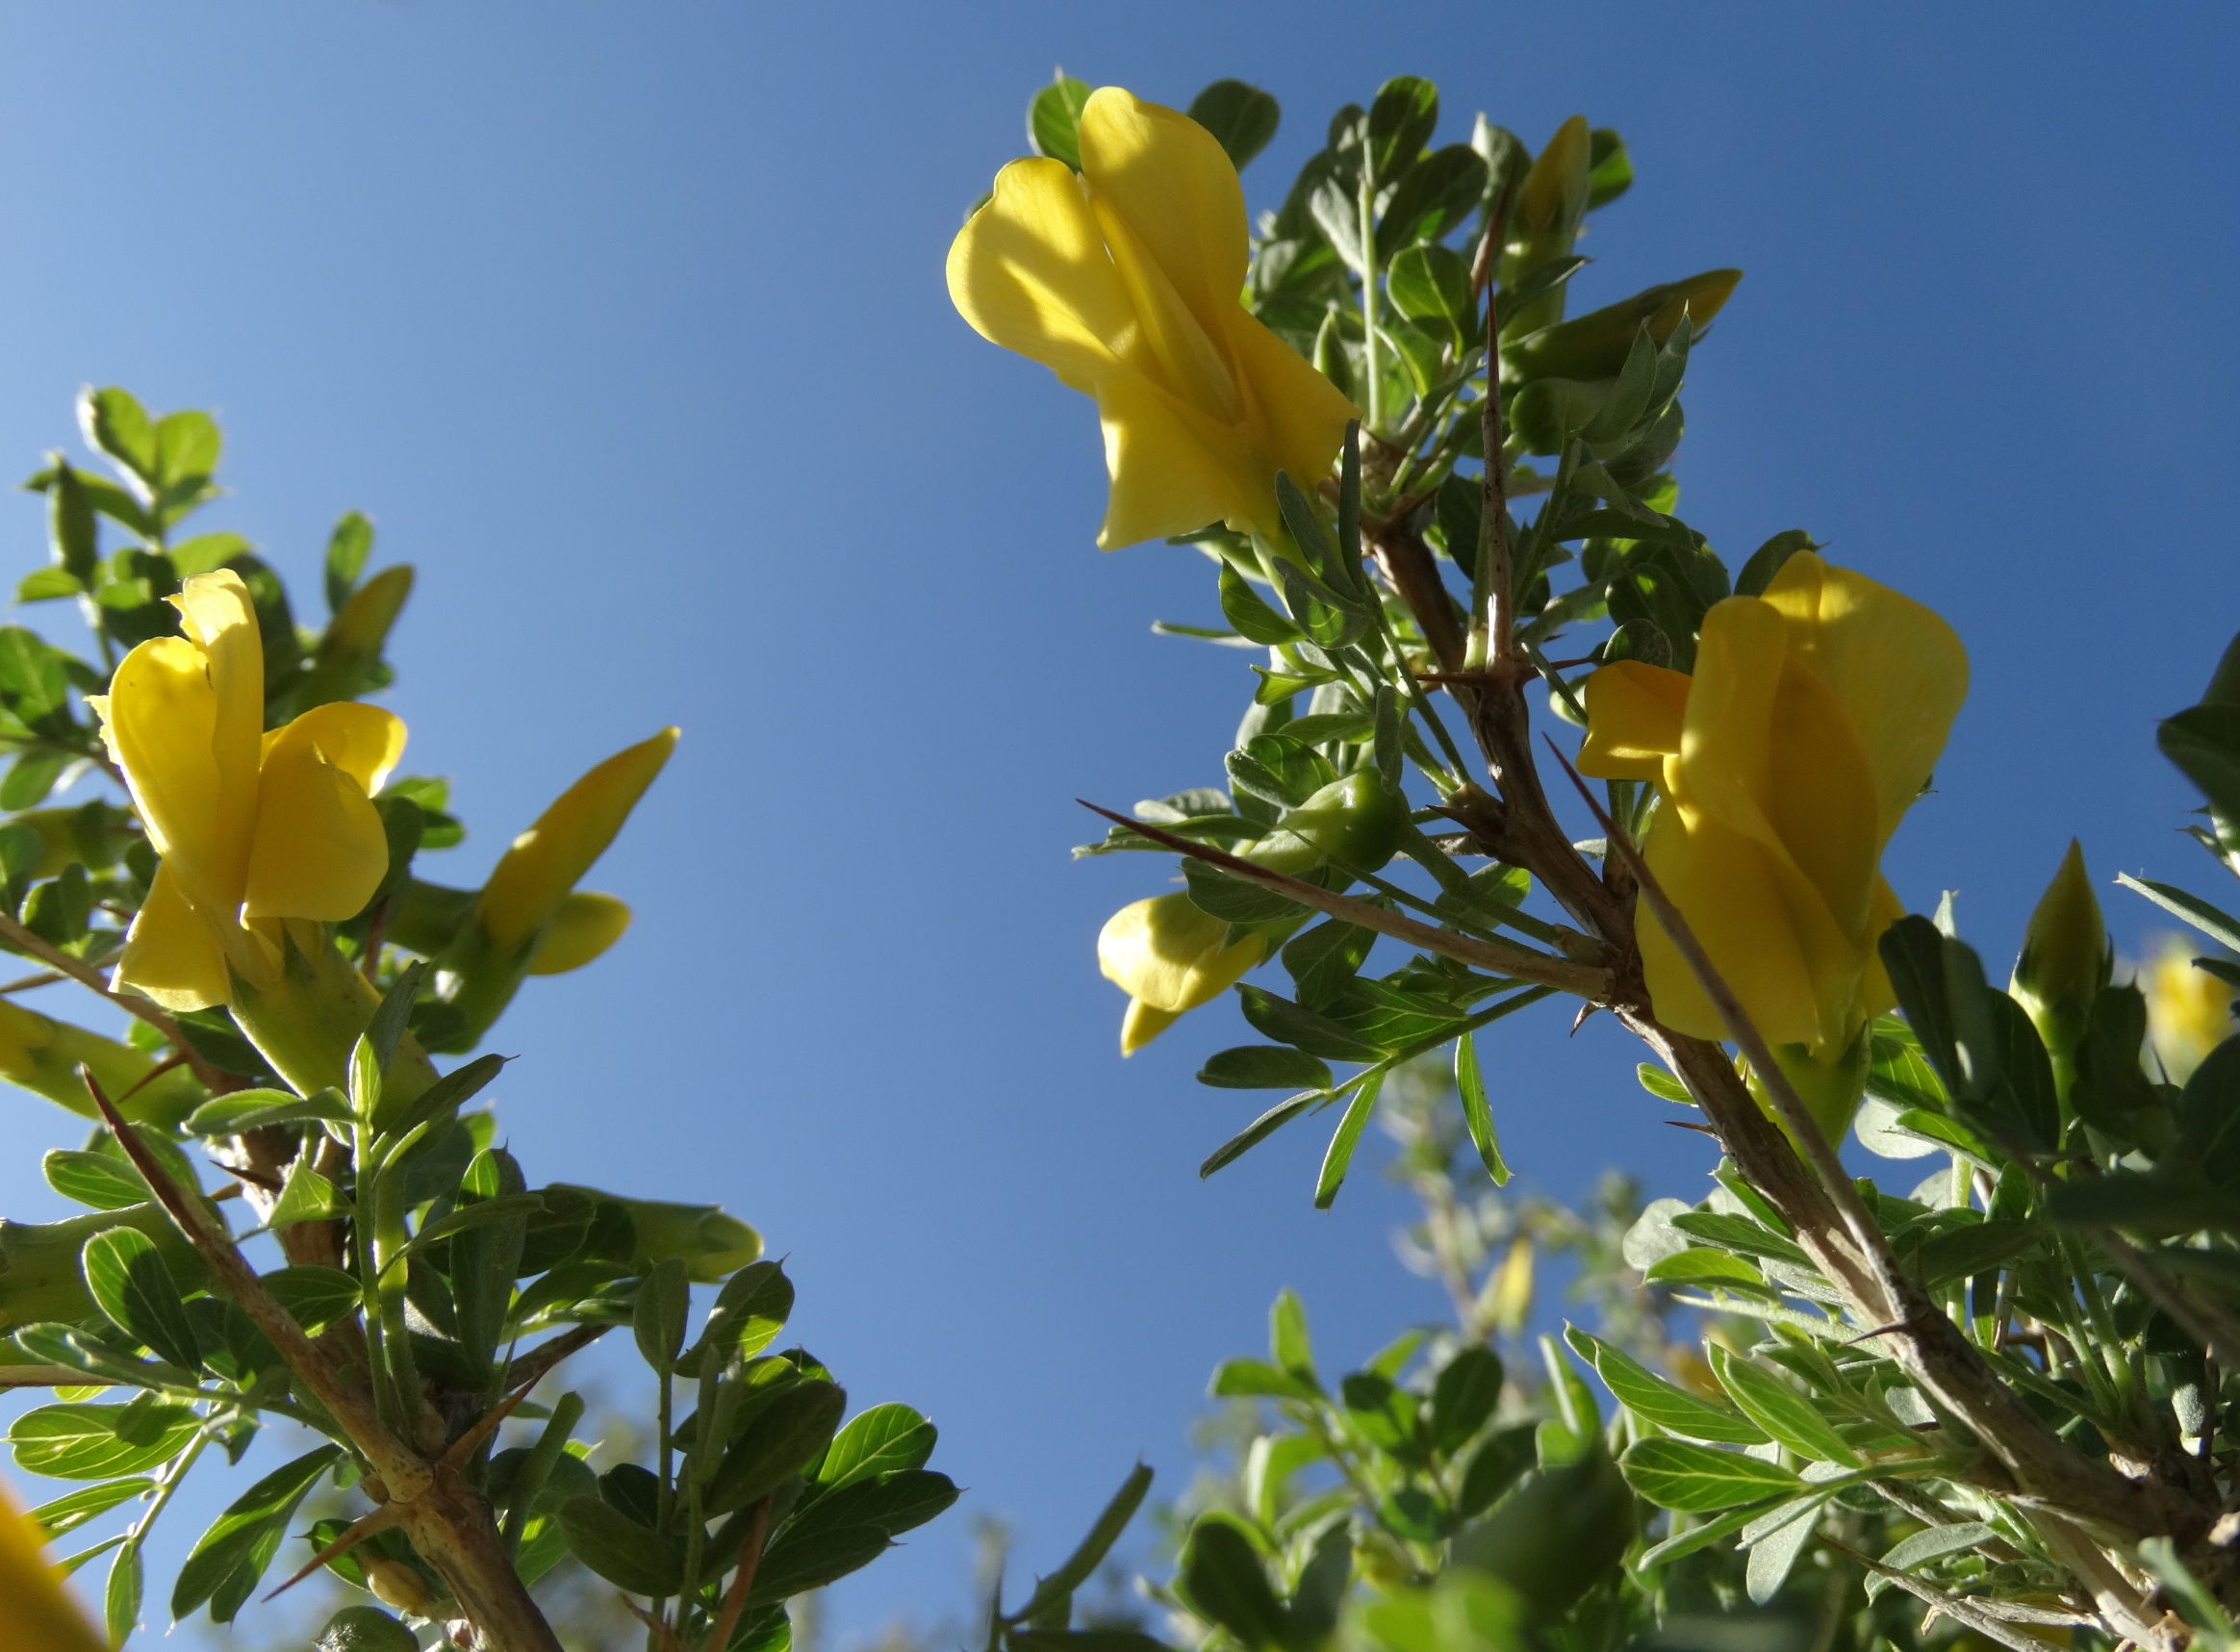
column 742, row 1581
column 1584, row 980
column 447, row 1521
column 1412, row 571
column 1975, row 1614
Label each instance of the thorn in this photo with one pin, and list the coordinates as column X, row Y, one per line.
column 364, row 1527
column 1691, row 1124
column 1580, row 1020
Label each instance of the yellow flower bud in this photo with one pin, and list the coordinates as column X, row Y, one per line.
column 1170, row 958
column 585, row 925
column 537, row 873
column 35, row 1610
column 2065, row 958
column 44, row 1055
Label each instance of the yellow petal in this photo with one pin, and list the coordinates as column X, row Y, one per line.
column 544, row 863
column 1143, row 1024
column 1722, row 768
column 1173, row 472
column 1172, row 183
column 1634, row 714
column 1178, row 348
column 37, row 1613
column 1897, row 669
column 170, row 955
column 1821, row 801
column 216, row 614
column 160, row 720
column 318, row 851
column 1168, row 955
column 584, row 927
column 1731, row 891
column 362, row 741
column 1299, row 416
column 1030, row 272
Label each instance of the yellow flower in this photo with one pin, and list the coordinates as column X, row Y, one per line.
column 2189, row 1012
column 36, row 1611
column 1813, row 719
column 1124, row 281
column 1169, row 959
column 254, row 828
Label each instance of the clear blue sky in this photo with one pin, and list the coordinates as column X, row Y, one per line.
column 628, row 326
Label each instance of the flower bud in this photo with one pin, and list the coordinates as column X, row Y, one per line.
column 2189, row 1012
column 585, row 925
column 395, row 1584
column 2065, row 958
column 342, row 668
column 1595, row 345
column 1355, row 822
column 1543, row 217
column 1169, row 957
column 542, row 866
column 44, row 1055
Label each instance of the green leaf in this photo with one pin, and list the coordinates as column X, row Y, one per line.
column 482, row 1213
column 47, row 585
column 115, row 424
column 95, row 1442
column 348, row 548
column 244, row 1111
column 2204, row 742
column 2218, row 926
column 70, row 1511
column 1053, row 121
column 885, row 1440
column 1287, row 1022
column 100, row 1180
column 206, row 551
column 1244, row 609
column 228, row 1561
column 1478, row 1110
column 1775, row 1541
column 1610, row 169
column 658, row 1319
column 1090, row 1553
column 30, row 777
column 889, row 1504
column 121, row 1598
column 1974, row 1249
column 1434, row 196
column 1910, row 1553
column 1261, row 1129
column 1289, row 1345
column 1242, row 118
column 1221, row 1577
column 1654, row 1400
column 1463, row 1396
column 306, row 1197
column 748, row 1313
column 630, row 1556
column 1700, row 1479
column 796, row 1567
column 1778, row 1409
column 1257, row 1379
column 1402, row 117
column 187, row 449
column 779, row 1440
column 1265, row 1067
column 1739, row 1233
column 315, row 1297
column 1343, row 1140
column 1232, row 899
column 73, row 532
column 1432, row 283
column 134, row 1289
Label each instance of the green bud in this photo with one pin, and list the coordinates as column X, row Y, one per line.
column 2065, row 958
column 710, row 1241
column 1595, row 345
column 39, row 1274
column 1355, row 822
column 1544, row 217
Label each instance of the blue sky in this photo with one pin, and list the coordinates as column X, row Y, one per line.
column 628, row 329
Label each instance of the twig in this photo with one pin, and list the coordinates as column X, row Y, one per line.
column 743, row 1580
column 524, row 1372
column 1973, row 1613
column 1584, row 980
